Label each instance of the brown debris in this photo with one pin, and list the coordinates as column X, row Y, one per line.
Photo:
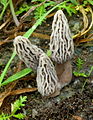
column 23, row 90
column 77, row 118
column 85, row 20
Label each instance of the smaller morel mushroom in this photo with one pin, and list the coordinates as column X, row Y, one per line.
column 62, row 47
column 34, row 57
column 27, row 52
column 47, row 80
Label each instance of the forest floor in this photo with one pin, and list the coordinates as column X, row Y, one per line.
column 75, row 101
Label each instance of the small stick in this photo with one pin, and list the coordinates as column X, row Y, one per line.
column 4, row 24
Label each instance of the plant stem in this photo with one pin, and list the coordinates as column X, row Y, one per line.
column 13, row 13
column 4, row 8
column 84, row 85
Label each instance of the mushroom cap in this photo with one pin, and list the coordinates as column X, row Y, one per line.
column 47, row 80
column 27, row 52
column 61, row 42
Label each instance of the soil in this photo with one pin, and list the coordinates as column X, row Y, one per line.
column 75, row 100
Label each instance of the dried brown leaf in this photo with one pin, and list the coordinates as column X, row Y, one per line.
column 77, row 117
column 85, row 40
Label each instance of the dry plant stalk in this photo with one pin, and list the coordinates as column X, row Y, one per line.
column 85, row 19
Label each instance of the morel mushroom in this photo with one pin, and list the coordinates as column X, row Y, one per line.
column 47, row 80
column 62, row 47
column 27, row 52
column 61, row 42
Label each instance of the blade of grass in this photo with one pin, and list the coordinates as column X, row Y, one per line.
column 16, row 76
column 3, row 11
column 91, row 69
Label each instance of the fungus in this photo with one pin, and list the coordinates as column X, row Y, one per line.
column 50, row 79
column 27, row 52
column 47, row 80
column 61, row 42
column 62, row 47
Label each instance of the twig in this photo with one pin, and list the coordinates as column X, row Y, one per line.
column 23, row 90
column 85, row 40
column 4, row 24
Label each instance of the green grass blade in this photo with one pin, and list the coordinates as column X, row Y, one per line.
column 3, row 11
column 6, row 67
column 90, row 71
column 17, row 76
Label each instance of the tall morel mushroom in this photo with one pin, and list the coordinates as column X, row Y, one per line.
column 61, row 42
column 27, row 52
column 62, row 47
column 47, row 80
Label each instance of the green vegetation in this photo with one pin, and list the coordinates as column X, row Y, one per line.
column 70, row 8
column 49, row 53
column 79, row 67
column 16, row 76
column 79, row 64
column 69, row 5
column 24, row 8
column 40, row 11
column 5, row 4
column 15, row 107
